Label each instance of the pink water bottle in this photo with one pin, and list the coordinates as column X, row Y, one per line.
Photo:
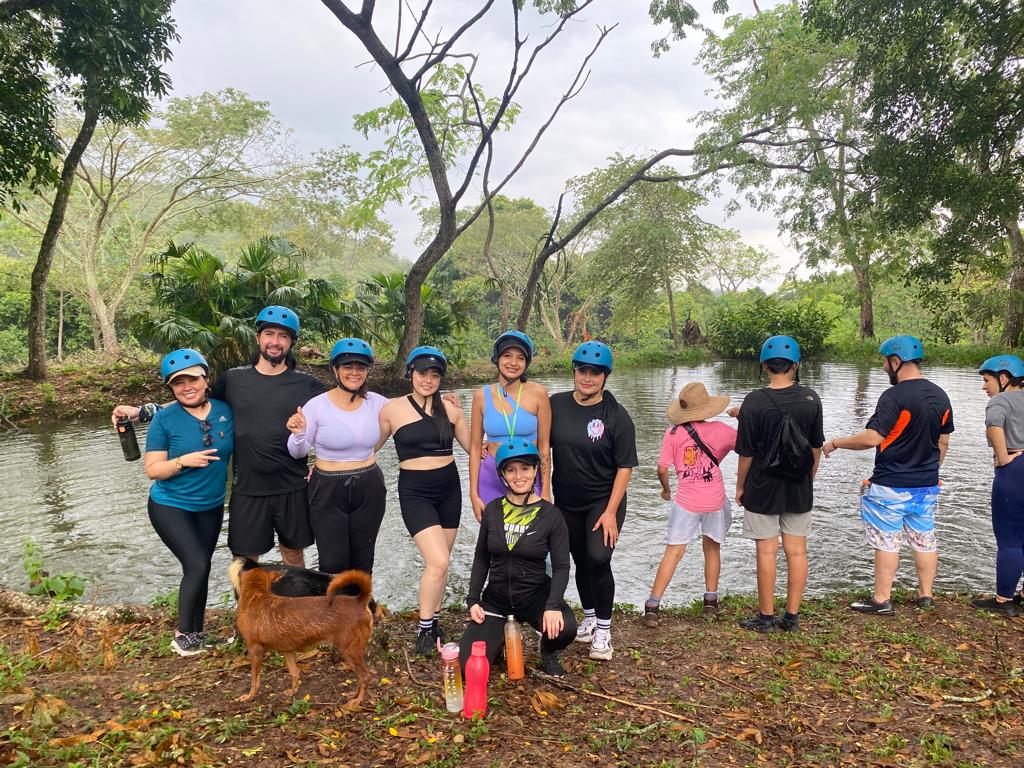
column 478, row 669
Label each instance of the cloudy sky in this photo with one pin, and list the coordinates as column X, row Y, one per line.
column 313, row 72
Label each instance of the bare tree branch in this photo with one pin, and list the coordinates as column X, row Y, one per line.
column 439, row 56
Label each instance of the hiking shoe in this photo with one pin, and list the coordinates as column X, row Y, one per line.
column 601, row 644
column 585, row 631
column 870, row 606
column 758, row 623
column 788, row 624
column 1018, row 599
column 710, row 607
column 926, row 603
column 990, row 604
column 550, row 665
column 188, row 644
column 425, row 643
column 651, row 617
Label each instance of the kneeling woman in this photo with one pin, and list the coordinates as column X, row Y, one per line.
column 188, row 446
column 517, row 533
column 347, row 496
column 429, row 489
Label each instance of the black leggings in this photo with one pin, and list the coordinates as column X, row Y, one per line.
column 345, row 511
column 192, row 537
column 492, row 631
column 593, row 559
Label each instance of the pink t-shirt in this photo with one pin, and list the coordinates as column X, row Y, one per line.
column 700, row 487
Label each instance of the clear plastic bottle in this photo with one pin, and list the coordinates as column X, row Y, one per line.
column 478, row 670
column 451, row 677
column 514, row 649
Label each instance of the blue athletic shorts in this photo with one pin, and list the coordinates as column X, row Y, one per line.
column 889, row 512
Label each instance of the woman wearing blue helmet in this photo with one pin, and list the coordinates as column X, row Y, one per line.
column 424, row 426
column 347, row 495
column 1003, row 382
column 188, row 446
column 593, row 445
column 511, row 408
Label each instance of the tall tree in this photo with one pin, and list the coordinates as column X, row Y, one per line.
column 947, row 101
column 106, row 56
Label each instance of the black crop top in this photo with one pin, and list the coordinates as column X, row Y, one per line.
column 420, row 438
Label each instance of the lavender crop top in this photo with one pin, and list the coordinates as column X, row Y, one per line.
column 337, row 435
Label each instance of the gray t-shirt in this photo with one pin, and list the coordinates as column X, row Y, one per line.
column 1006, row 411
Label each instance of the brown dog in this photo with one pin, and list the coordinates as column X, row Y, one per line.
column 291, row 624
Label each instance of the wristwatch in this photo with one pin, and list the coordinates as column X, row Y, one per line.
column 178, row 465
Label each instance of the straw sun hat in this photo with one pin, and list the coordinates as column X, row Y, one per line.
column 695, row 404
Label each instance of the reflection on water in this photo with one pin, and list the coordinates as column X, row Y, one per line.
column 69, row 489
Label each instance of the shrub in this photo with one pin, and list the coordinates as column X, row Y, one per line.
column 738, row 327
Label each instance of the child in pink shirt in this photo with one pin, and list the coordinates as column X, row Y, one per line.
column 695, row 448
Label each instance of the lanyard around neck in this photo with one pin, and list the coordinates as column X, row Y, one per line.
column 511, row 425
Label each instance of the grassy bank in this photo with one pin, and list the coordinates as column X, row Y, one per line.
column 942, row 688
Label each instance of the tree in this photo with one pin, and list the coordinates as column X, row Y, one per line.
column 946, row 99
column 731, row 263
column 134, row 186
column 198, row 301
column 106, row 56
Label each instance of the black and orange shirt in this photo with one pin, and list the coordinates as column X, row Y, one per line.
column 910, row 417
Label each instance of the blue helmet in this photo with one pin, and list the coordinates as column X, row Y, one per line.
column 346, row 350
column 423, row 359
column 784, row 347
column 280, row 316
column 181, row 360
column 906, row 348
column 516, row 339
column 518, row 450
column 1012, row 364
column 596, row 354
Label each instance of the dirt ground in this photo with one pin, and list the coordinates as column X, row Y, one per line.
column 942, row 688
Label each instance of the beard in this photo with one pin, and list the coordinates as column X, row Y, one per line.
column 273, row 359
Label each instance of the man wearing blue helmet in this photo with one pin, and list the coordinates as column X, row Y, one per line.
column 1003, row 382
column 268, row 491
column 909, row 431
column 778, row 443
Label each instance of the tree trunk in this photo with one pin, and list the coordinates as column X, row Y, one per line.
column 1013, row 323
column 37, row 308
column 672, row 314
column 505, row 308
column 861, row 270
column 60, row 327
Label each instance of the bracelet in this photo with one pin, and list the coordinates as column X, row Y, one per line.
column 178, row 465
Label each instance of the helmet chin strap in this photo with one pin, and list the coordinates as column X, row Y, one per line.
column 352, row 392
column 894, row 372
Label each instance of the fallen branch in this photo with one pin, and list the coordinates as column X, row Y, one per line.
column 408, row 668
column 968, row 699
column 625, row 702
column 12, row 602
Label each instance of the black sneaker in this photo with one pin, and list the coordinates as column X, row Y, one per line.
column 425, row 643
column 188, row 644
column 990, row 604
column 926, row 603
column 651, row 617
column 550, row 665
column 870, row 606
column 759, row 623
column 788, row 623
column 437, row 633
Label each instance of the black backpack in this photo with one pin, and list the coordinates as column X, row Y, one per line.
column 789, row 453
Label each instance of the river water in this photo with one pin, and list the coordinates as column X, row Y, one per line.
column 67, row 488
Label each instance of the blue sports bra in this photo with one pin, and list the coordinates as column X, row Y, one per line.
column 499, row 427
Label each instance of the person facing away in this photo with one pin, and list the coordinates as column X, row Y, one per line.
column 694, row 447
column 909, row 431
column 778, row 443
column 268, row 489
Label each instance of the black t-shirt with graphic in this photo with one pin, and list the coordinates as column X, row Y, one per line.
column 262, row 405
column 760, row 419
column 589, row 443
column 910, row 416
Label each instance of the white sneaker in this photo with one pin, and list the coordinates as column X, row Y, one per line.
column 601, row 645
column 585, row 631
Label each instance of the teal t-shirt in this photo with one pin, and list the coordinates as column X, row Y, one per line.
column 178, row 432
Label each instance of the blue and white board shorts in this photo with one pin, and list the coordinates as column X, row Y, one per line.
column 889, row 512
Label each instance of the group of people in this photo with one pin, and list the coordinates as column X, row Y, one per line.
column 548, row 477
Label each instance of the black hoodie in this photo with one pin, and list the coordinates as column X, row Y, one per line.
column 514, row 576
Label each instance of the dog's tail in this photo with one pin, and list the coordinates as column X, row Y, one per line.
column 352, row 583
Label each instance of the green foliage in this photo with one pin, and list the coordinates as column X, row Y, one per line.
column 60, row 587
column 738, row 327
column 201, row 302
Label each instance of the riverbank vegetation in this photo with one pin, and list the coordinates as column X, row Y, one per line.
column 173, row 221
column 921, row 689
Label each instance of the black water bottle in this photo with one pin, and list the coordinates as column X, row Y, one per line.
column 129, row 443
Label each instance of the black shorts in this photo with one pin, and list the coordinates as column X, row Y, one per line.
column 430, row 497
column 252, row 521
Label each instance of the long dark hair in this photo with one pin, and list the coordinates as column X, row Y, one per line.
column 440, row 415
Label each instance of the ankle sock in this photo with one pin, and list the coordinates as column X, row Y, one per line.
column 605, row 624
column 426, row 625
column 710, row 595
column 652, row 602
column 787, row 616
column 589, row 613
column 436, row 619
column 767, row 616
